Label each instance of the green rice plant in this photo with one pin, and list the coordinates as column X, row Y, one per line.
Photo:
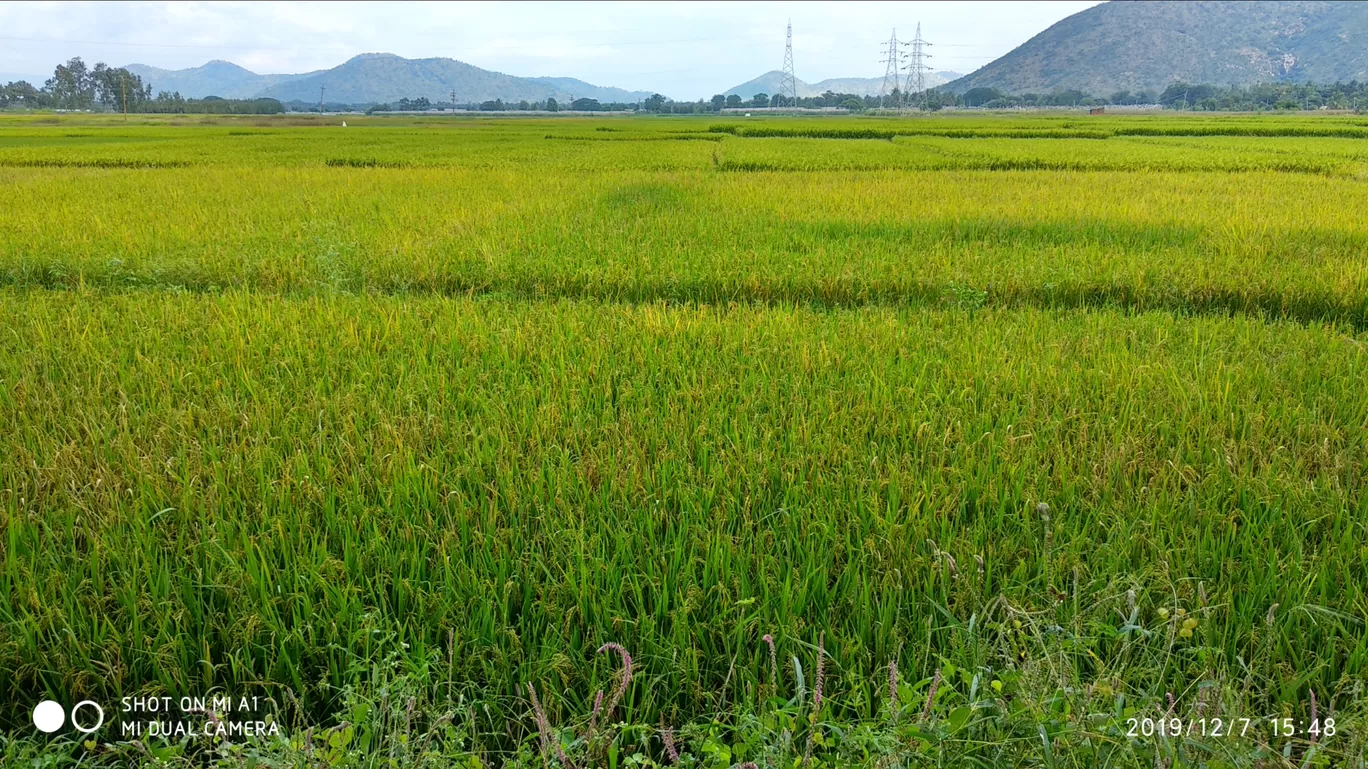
column 387, row 422
column 500, row 465
column 1268, row 244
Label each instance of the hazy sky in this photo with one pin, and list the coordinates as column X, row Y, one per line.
column 684, row 50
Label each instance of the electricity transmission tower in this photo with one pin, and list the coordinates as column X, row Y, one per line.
column 915, row 92
column 788, row 83
column 321, row 89
column 889, row 89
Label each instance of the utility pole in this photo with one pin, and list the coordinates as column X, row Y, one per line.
column 321, row 89
column 916, row 70
column 788, row 83
column 890, row 82
column 453, row 100
column 123, row 88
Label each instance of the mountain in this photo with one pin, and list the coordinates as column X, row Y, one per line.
column 373, row 78
column 1133, row 45
column 384, row 77
column 217, row 78
column 862, row 86
column 580, row 89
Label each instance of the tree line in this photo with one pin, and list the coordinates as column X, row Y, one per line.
column 1177, row 96
column 1182, row 96
column 75, row 86
column 654, row 103
column 423, row 104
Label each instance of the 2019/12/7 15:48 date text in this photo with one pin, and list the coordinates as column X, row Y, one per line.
column 1233, row 727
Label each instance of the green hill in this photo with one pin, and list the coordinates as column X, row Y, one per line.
column 1149, row 45
column 217, row 78
column 373, row 78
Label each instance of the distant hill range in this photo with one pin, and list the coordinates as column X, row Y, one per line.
column 1128, row 45
column 217, row 78
column 768, row 83
column 375, row 78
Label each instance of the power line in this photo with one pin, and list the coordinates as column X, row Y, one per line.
column 916, row 70
column 890, row 72
column 789, row 82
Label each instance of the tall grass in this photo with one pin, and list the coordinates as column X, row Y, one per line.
column 1267, row 244
column 293, row 422
column 228, row 490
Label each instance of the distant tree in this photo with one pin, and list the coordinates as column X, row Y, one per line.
column 760, row 100
column 496, row 105
column 585, row 105
column 1176, row 95
column 718, row 102
column 734, row 101
column 21, row 93
column 551, row 105
column 1203, row 92
column 853, row 104
column 174, row 103
column 71, row 85
column 655, row 103
column 165, row 102
column 1067, row 98
column 117, row 87
column 975, row 97
column 216, row 105
column 937, row 99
